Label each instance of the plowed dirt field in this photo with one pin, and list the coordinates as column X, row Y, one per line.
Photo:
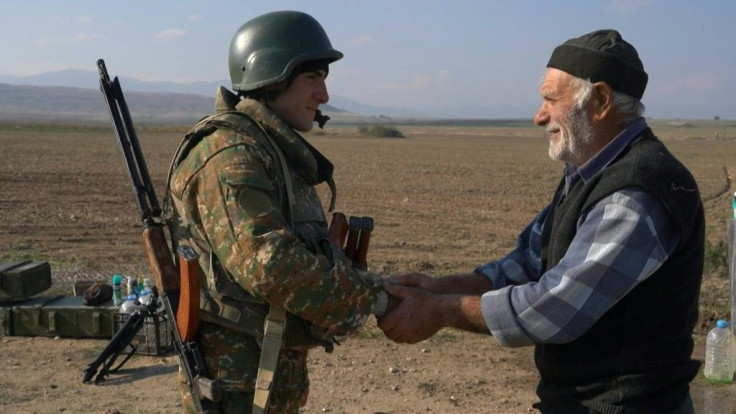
column 444, row 200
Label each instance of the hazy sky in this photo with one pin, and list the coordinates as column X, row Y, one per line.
column 399, row 52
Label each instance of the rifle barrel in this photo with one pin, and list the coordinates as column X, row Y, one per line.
column 128, row 143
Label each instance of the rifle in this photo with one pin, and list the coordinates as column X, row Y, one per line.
column 179, row 290
column 121, row 343
column 357, row 231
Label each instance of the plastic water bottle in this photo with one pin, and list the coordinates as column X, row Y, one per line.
column 719, row 358
column 733, row 203
column 117, row 294
column 145, row 296
column 147, row 284
column 132, row 285
column 130, row 305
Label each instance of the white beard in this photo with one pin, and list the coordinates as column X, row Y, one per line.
column 574, row 136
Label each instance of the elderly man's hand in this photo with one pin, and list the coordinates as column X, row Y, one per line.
column 418, row 316
column 419, row 280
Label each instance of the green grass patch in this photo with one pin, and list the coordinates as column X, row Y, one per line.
column 716, row 259
column 380, row 131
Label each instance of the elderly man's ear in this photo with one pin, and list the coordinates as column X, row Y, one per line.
column 602, row 100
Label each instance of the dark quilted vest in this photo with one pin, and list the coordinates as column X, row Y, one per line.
column 637, row 357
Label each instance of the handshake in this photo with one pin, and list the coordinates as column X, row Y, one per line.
column 418, row 305
column 417, row 308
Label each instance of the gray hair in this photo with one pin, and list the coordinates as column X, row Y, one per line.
column 626, row 106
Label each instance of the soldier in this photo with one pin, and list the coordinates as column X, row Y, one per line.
column 243, row 189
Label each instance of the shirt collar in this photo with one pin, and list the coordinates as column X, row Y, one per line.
column 609, row 153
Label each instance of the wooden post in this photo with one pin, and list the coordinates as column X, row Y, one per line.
column 732, row 265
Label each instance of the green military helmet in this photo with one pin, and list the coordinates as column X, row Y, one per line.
column 266, row 49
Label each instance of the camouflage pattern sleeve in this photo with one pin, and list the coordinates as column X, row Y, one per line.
column 241, row 217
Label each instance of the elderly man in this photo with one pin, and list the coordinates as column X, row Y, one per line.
column 604, row 282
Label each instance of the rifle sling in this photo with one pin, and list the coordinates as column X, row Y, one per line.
column 273, row 329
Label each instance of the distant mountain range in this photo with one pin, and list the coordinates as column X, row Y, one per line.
column 61, row 103
column 74, row 94
column 66, row 93
column 90, row 79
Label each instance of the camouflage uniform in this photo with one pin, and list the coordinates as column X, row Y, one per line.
column 230, row 203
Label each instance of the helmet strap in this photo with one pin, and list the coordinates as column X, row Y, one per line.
column 320, row 119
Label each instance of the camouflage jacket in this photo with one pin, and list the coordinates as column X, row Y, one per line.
column 230, row 204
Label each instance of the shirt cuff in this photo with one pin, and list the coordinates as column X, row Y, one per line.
column 497, row 311
column 379, row 308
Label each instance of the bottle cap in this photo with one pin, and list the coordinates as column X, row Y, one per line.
column 117, row 279
column 721, row 324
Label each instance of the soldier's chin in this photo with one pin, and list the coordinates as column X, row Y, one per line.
column 301, row 125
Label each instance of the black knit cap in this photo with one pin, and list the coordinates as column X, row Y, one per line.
column 602, row 56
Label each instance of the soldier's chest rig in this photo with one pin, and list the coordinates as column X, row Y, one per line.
column 223, row 301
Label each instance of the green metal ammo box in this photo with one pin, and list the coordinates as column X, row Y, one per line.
column 64, row 316
column 6, row 320
column 23, row 279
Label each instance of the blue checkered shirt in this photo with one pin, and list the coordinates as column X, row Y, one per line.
column 620, row 242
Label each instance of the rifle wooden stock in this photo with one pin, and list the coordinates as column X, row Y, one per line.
column 187, row 313
column 159, row 258
column 183, row 285
column 354, row 231
column 358, row 232
column 361, row 254
column 338, row 229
